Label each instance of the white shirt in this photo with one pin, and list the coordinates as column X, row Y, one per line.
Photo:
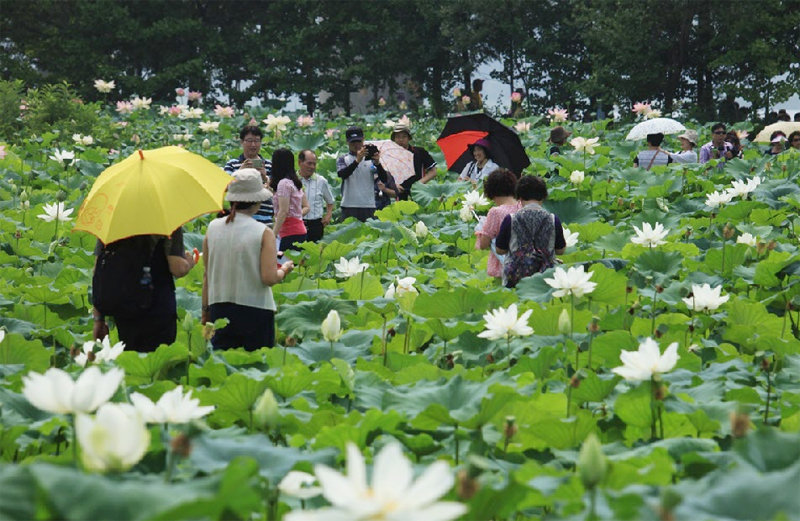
column 476, row 174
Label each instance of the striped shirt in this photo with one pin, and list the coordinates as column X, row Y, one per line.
column 318, row 193
column 266, row 212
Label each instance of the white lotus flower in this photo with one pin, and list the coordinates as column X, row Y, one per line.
column 571, row 238
column 420, row 230
column 114, row 440
column 172, row 407
column 104, row 86
column 742, row 188
column 465, row 214
column 107, row 352
column 475, row 199
column 299, row 484
column 748, row 239
column 705, row 298
column 650, row 235
column 504, row 323
column 276, row 124
column 392, row 496
column 389, row 123
column 55, row 391
column 223, row 112
column 332, row 326
column 63, row 156
column 716, row 199
column 576, row 177
column 404, row 285
column 55, row 211
column 82, row 140
column 584, row 145
column 209, row 126
column 652, row 113
column 522, row 126
column 190, row 112
column 573, row 281
column 2, row 334
column 558, row 115
column 141, row 103
column 647, row 361
column 347, row 268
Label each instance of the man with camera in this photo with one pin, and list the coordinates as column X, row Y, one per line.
column 718, row 148
column 250, row 137
column 358, row 170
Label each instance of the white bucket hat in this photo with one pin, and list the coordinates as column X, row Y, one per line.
column 247, row 187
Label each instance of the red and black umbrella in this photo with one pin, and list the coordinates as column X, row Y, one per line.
column 464, row 130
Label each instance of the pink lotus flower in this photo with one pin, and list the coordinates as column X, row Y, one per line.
column 124, row 107
column 305, row 121
column 741, row 134
column 522, row 126
column 641, row 108
column 23, row 107
column 175, row 110
column 194, row 95
column 180, row 91
column 465, row 100
column 558, row 115
column 381, row 102
column 223, row 112
column 516, row 97
column 2, row 151
column 456, row 92
column 330, row 133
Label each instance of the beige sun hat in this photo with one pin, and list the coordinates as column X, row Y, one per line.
column 690, row 136
column 247, row 187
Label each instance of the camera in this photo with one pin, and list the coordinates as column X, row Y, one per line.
column 371, row 150
column 258, row 164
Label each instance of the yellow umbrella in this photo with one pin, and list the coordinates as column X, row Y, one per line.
column 151, row 192
column 787, row 127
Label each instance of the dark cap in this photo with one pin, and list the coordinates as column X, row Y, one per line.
column 354, row 134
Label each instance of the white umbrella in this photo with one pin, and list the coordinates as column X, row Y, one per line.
column 787, row 127
column 395, row 159
column 655, row 126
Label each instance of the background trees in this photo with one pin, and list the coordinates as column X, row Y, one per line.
column 575, row 53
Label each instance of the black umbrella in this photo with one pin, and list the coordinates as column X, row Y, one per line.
column 460, row 131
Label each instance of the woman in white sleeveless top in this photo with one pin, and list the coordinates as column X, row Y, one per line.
column 240, row 268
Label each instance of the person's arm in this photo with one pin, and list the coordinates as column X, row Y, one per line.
column 180, row 262
column 382, row 174
column 488, row 231
column 503, row 239
column 327, row 196
column 429, row 174
column 386, row 190
column 205, row 316
column 428, row 166
column 271, row 274
column 99, row 328
column 560, row 243
column 344, row 170
column 306, row 207
column 280, row 215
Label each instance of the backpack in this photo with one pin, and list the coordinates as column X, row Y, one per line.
column 122, row 284
column 531, row 246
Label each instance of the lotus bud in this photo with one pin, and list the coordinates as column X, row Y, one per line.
column 290, row 341
column 740, row 424
column 61, row 196
column 728, row 231
column 564, row 322
column 420, row 230
column 592, row 464
column 135, row 139
column 575, row 381
column 23, row 196
column 181, row 445
column 206, row 144
column 17, row 234
column 332, row 326
column 765, row 364
column 594, row 325
column 509, row 428
column 266, row 413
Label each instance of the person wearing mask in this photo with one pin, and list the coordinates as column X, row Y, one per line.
column 357, row 169
column 500, row 188
column 653, row 155
column 717, row 148
column 481, row 165
column 687, row 154
column 424, row 165
column 250, row 138
column 241, row 268
column 289, row 200
column 530, row 238
column 318, row 193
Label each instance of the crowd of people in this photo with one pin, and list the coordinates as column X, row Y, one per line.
column 274, row 207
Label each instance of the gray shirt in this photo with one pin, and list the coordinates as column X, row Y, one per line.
column 358, row 187
column 318, row 193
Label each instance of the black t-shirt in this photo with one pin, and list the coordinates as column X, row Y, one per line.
column 423, row 162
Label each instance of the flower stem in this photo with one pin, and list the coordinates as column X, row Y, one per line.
column 75, row 460
column 383, row 340
column 653, row 406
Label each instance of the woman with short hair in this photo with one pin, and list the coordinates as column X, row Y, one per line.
column 499, row 187
column 688, row 143
column 482, row 164
column 653, row 155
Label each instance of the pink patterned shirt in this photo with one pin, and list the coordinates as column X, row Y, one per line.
column 491, row 227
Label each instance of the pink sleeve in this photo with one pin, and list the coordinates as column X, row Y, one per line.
column 285, row 188
column 491, row 227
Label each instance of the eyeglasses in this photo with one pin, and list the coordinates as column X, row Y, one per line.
column 253, row 141
column 718, row 132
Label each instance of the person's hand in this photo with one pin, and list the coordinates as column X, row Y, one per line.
column 99, row 330
column 400, row 189
column 326, row 220
column 376, row 159
column 728, row 154
column 360, row 154
column 189, row 256
column 381, row 186
column 287, row 267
